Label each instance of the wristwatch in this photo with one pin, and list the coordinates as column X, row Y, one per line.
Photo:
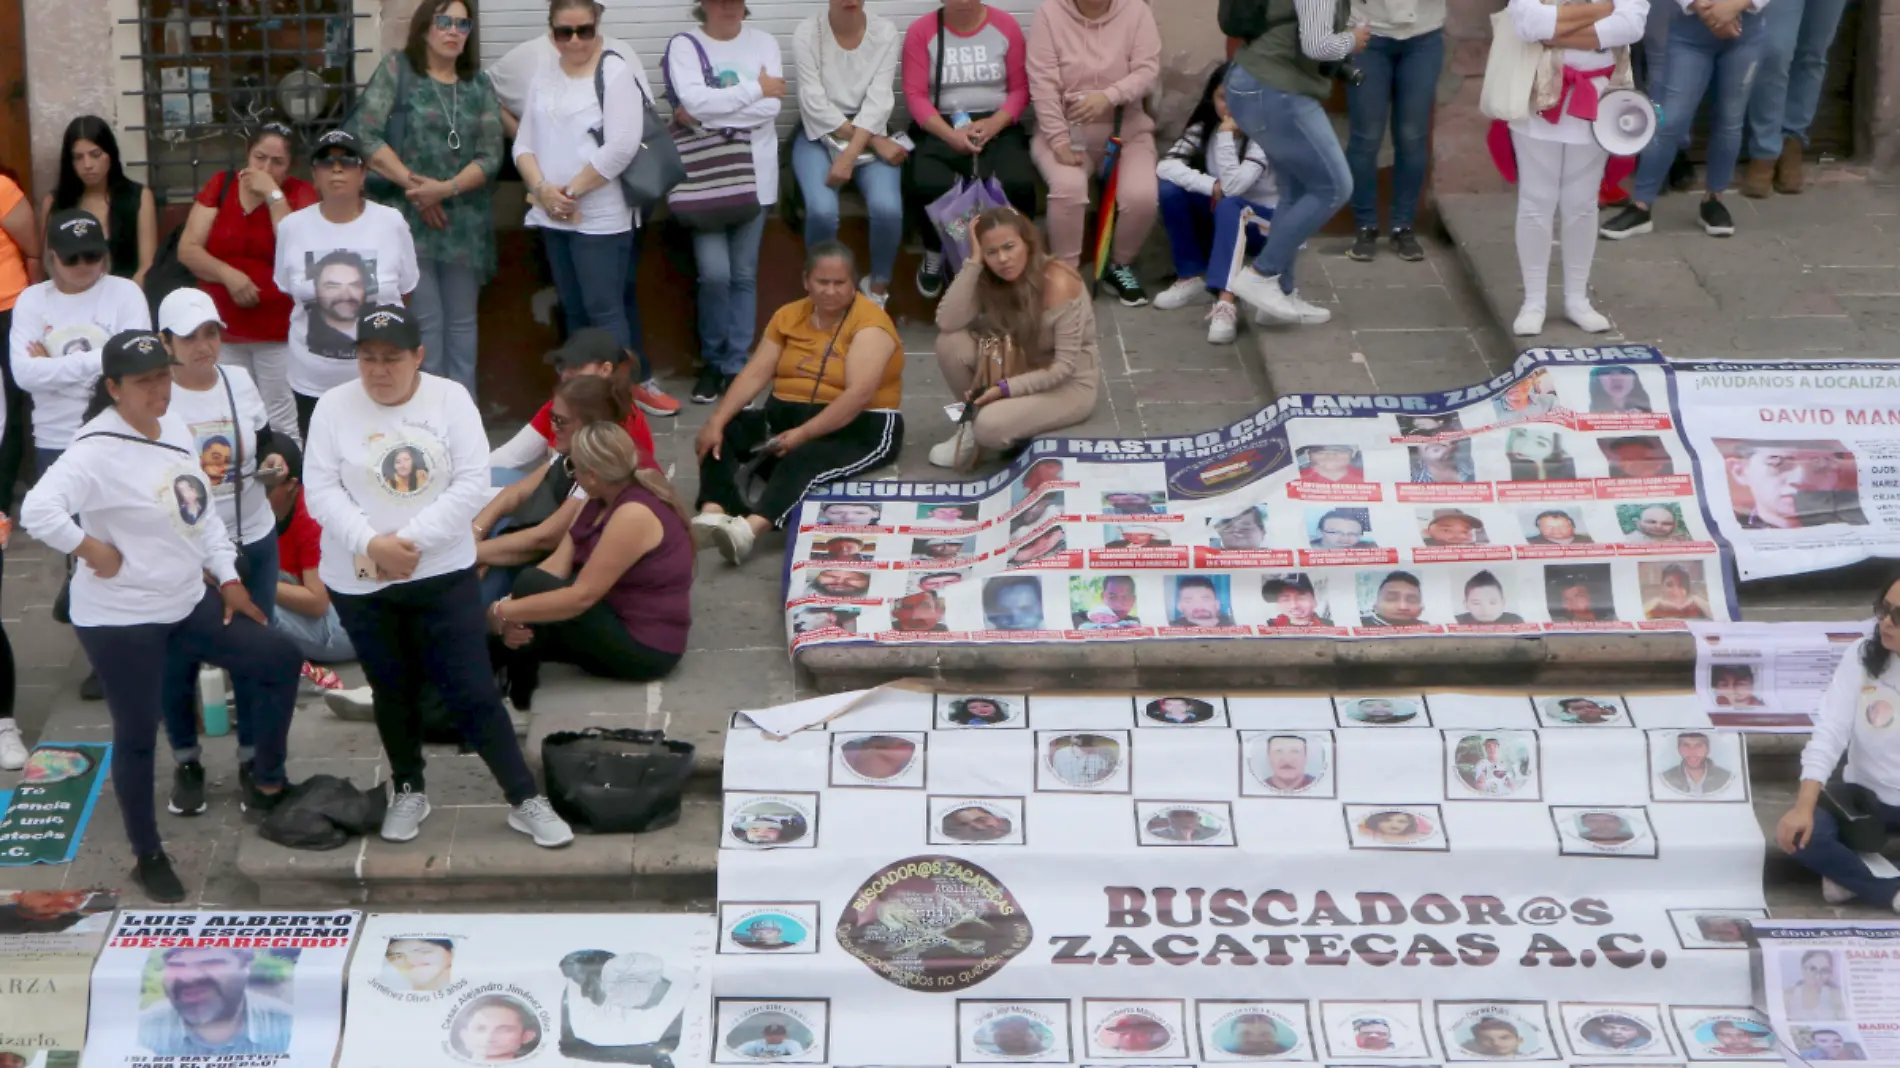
column 275, row 196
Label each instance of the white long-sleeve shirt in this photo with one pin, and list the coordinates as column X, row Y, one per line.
column 1536, row 20
column 515, row 71
column 73, row 328
column 1849, row 722
column 355, row 486
column 1246, row 175
column 149, row 500
column 735, row 101
column 836, row 86
column 556, row 129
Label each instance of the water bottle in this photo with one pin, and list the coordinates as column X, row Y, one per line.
column 211, row 701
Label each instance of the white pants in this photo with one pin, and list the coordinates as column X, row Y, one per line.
column 1560, row 180
column 269, row 365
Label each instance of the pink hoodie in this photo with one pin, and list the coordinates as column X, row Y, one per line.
column 1118, row 54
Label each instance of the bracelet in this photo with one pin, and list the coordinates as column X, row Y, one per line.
column 230, row 582
column 455, row 190
column 1003, row 384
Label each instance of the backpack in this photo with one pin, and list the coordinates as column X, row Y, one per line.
column 1245, row 19
column 168, row 274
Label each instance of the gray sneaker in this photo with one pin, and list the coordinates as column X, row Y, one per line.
column 407, row 810
column 536, row 818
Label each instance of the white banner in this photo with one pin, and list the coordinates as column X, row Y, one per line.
column 1832, row 989
column 219, row 989
column 1769, row 677
column 1205, row 878
column 1800, row 461
column 553, row 989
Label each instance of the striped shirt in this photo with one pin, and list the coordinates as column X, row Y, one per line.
column 266, row 1030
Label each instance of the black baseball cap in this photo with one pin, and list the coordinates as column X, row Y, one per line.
column 336, row 142
column 389, row 323
column 586, row 346
column 134, row 352
column 74, row 232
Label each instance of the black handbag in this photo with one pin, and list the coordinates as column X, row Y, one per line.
column 656, row 166
column 619, row 781
column 1852, row 807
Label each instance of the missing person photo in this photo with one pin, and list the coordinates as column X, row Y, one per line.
column 1497, row 765
column 769, row 1036
column 812, row 618
column 1104, row 602
column 235, row 1001
column 1042, row 473
column 1253, row 1031
column 770, row 927
column 850, row 514
column 1498, row 1038
column 1135, row 536
column 623, row 1007
column 1788, row 485
column 1734, row 686
column 769, row 821
column 1044, row 507
column 1133, row 502
column 1286, row 764
column 1339, row 528
column 1330, row 463
column 920, row 612
column 1199, row 600
column 942, row 550
column 1717, row 1033
column 1547, row 524
column 1615, row 1030
column 1133, row 1029
column 421, row 965
column 1652, row 522
column 192, row 497
column 495, row 1028
column 947, row 514
column 886, row 759
column 405, row 470
column 1618, row 389
column 1185, row 823
column 1812, row 989
column 1486, row 603
column 980, row 710
column 1637, row 456
column 932, row 581
column 1381, row 1030
column 1828, row 1043
column 843, row 549
column 975, row 821
column 1246, row 529
column 1580, row 711
column 1178, row 711
column 1426, row 426
column 1442, row 461
column 1534, row 394
column 1093, row 761
column 1295, row 599
column 344, row 281
column 1396, row 827
column 1720, row 929
column 1391, row 599
column 1380, row 711
column 1029, row 1033
column 838, row 583
column 1049, row 543
column 1620, row 831
column 1674, row 591
column 1450, row 527
column 1013, row 602
column 1537, row 454
column 1579, row 593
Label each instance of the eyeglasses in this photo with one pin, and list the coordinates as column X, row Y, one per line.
column 568, row 33
column 82, row 259
column 445, row 23
column 348, row 163
column 1888, row 612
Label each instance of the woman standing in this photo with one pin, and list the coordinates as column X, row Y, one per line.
column 399, row 560
column 336, row 259
column 847, row 63
column 440, row 174
column 571, row 146
column 238, row 456
column 60, row 328
column 18, row 269
column 1559, row 163
column 1017, row 340
column 230, row 244
column 1856, row 721
column 1400, row 65
column 743, row 94
column 615, row 599
column 141, row 601
column 92, row 178
column 1091, row 65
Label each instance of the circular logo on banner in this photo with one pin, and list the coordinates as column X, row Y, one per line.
column 934, row 923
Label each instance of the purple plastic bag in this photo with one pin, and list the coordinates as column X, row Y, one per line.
column 953, row 212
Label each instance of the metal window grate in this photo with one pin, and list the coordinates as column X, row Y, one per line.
column 211, row 71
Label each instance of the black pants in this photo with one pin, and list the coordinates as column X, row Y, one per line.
column 873, row 438
column 934, row 168
column 19, row 434
column 594, row 641
column 305, row 406
column 433, row 630
column 131, row 661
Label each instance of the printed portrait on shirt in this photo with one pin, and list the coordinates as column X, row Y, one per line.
column 184, row 497
column 407, row 467
column 74, row 339
column 343, row 281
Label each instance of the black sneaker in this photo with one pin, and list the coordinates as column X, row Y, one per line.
column 1681, row 174
column 1121, row 278
column 1366, row 246
column 91, row 689
column 1627, row 223
column 1716, row 221
column 255, row 802
column 930, row 276
column 188, row 790
column 708, row 386
column 1405, row 243
column 155, row 876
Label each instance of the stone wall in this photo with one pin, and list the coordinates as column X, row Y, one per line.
column 70, row 72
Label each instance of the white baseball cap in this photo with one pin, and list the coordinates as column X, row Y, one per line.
column 183, row 311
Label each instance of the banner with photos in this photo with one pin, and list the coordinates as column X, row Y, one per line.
column 1557, row 497
column 1167, row 879
column 219, row 989
column 1769, row 677
column 1831, row 989
column 48, row 939
column 554, row 989
column 1800, row 461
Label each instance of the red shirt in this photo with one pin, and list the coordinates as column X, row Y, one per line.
column 249, row 243
column 636, row 427
column 298, row 547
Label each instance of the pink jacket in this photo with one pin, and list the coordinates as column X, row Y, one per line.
column 1118, row 54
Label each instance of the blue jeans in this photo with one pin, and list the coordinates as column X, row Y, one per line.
column 1314, row 181
column 1227, row 235
column 883, row 189
column 1826, row 855
column 181, row 670
column 44, row 459
column 1697, row 56
column 319, row 639
column 1188, row 219
column 728, row 293
column 1401, row 78
column 1793, row 64
column 590, row 274
column 445, row 301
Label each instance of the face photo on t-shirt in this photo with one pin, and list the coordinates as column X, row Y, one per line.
column 217, row 453
column 344, row 281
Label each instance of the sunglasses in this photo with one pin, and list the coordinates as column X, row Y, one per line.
column 1888, row 612
column 568, row 33
column 82, row 259
column 348, row 163
column 445, row 23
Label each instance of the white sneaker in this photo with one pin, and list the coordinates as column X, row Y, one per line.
column 732, row 536
column 1265, row 295
column 701, row 528
column 1529, row 321
column 959, row 450
column 1221, row 323
column 12, row 746
column 1184, row 293
column 1587, row 319
column 404, row 819
column 357, row 706
column 536, row 818
column 1310, row 313
column 864, row 287
column 1834, row 893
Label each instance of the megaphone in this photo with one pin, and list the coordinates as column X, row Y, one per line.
column 1626, row 122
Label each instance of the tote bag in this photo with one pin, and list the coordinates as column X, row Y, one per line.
column 656, row 169
column 721, row 189
column 1510, row 73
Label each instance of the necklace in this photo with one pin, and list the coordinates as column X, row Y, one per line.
column 455, row 96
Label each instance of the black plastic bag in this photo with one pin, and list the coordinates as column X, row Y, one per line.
column 616, row 781
column 324, row 812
